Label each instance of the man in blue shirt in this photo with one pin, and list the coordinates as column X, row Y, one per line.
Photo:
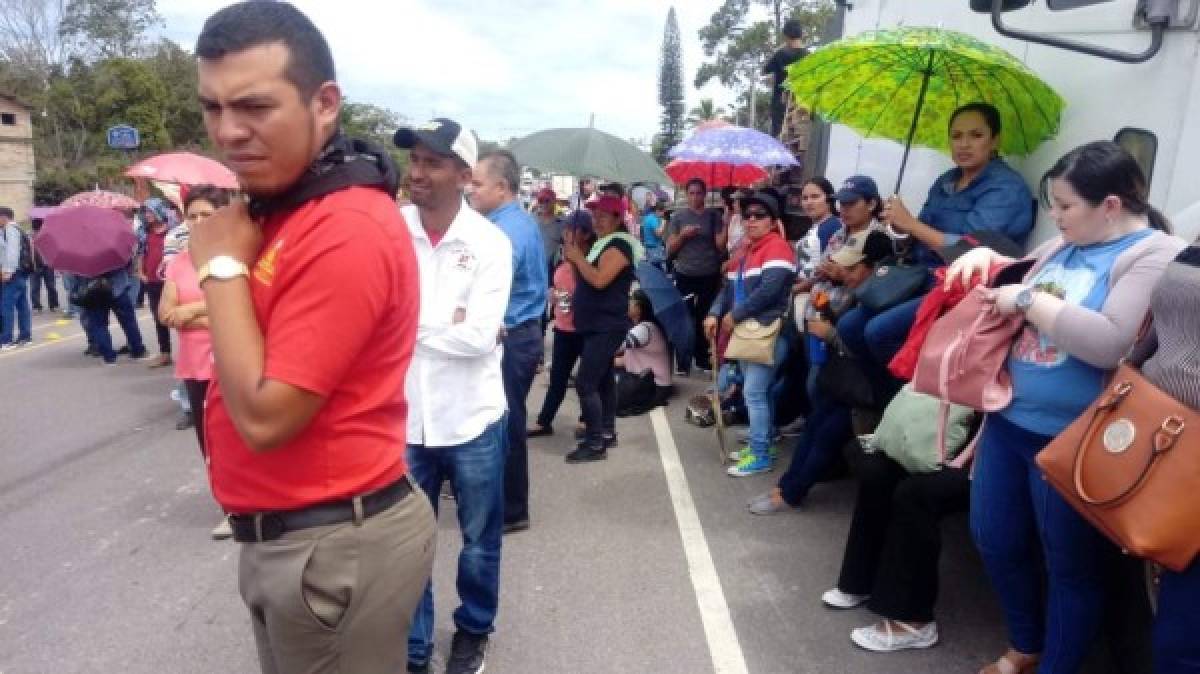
column 494, row 194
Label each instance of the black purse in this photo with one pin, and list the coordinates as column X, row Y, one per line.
column 843, row 379
column 93, row 293
column 894, row 282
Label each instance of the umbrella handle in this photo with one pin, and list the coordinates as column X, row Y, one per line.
column 912, row 130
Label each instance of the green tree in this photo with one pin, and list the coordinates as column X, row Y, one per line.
column 98, row 29
column 707, row 111
column 737, row 47
column 175, row 67
column 377, row 124
column 670, row 90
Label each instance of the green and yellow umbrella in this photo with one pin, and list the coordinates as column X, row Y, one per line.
column 903, row 84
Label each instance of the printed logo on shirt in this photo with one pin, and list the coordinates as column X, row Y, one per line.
column 463, row 259
column 1070, row 285
column 264, row 269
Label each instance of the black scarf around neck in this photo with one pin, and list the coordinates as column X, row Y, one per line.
column 344, row 162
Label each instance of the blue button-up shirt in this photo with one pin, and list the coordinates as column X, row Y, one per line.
column 997, row 199
column 527, row 300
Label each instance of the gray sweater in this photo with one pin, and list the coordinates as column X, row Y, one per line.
column 1174, row 366
column 1101, row 339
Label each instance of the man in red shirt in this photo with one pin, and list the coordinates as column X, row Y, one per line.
column 312, row 294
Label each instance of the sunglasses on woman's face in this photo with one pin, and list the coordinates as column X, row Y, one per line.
column 756, row 215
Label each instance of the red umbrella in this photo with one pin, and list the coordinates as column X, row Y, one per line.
column 715, row 175
column 86, row 240
column 101, row 199
column 184, row 168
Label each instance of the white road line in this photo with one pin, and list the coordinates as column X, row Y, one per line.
column 60, row 340
column 723, row 646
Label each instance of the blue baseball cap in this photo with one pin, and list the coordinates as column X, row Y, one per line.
column 857, row 187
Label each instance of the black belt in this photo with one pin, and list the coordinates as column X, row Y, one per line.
column 268, row 526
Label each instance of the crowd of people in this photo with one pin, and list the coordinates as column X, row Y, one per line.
column 344, row 361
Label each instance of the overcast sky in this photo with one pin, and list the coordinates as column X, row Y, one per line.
column 503, row 68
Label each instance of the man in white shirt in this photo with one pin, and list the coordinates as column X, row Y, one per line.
column 457, row 411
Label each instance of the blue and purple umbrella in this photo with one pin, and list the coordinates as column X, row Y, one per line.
column 731, row 155
column 733, row 145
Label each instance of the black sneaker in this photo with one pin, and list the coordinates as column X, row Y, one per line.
column 516, row 525
column 422, row 668
column 123, row 350
column 185, row 421
column 610, row 439
column 467, row 653
column 138, row 356
column 586, row 453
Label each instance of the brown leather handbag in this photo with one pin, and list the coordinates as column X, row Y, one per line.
column 1131, row 465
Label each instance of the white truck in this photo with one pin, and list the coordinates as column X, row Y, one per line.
column 1126, row 68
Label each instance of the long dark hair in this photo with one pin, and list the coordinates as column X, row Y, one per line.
column 827, row 187
column 991, row 116
column 1102, row 169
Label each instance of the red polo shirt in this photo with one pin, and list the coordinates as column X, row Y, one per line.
column 335, row 292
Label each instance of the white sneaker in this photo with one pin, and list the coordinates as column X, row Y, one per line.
column 222, row 531
column 835, row 598
column 882, row 638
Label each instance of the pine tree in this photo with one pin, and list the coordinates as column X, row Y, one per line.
column 670, row 90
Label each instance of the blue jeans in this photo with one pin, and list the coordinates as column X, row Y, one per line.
column 95, row 322
column 475, row 470
column 1014, row 512
column 757, row 392
column 878, row 336
column 1176, row 649
column 14, row 308
column 522, row 352
column 828, row 430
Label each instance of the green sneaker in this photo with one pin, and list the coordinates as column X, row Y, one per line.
column 752, row 465
column 739, row 454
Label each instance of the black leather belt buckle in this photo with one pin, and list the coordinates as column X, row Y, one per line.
column 256, row 528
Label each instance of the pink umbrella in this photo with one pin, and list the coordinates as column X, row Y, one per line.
column 40, row 212
column 86, row 240
column 101, row 199
column 184, row 168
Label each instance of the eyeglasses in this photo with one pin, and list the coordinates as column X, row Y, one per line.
column 756, row 215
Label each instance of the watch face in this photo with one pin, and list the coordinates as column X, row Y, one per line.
column 224, row 267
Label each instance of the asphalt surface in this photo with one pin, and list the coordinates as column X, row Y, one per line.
column 106, row 562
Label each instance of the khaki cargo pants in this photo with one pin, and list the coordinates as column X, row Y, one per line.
column 339, row 599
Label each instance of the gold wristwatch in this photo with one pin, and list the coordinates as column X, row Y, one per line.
column 222, row 268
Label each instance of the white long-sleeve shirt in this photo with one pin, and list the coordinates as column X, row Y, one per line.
column 454, row 387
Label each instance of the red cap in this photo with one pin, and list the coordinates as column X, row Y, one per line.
column 546, row 194
column 609, row 203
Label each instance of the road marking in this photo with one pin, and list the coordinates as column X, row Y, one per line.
column 723, row 645
column 53, row 339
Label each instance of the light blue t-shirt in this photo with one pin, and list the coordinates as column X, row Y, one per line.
column 1051, row 388
column 650, row 223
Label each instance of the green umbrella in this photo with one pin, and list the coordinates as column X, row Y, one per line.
column 903, row 84
column 587, row 152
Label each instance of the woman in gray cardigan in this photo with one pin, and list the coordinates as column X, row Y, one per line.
column 1083, row 309
column 1170, row 357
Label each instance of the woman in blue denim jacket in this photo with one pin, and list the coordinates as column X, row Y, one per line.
column 981, row 193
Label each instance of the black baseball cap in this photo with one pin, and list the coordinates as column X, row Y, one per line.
column 763, row 198
column 444, row 136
